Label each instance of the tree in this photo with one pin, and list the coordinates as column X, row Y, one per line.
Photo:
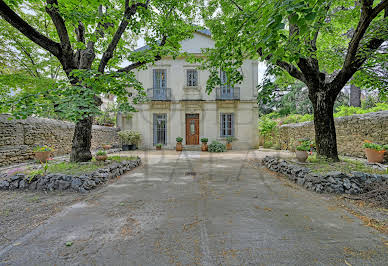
column 306, row 38
column 92, row 40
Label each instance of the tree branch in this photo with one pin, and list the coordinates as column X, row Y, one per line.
column 52, row 10
column 140, row 63
column 26, row 29
column 80, row 32
column 239, row 7
column 354, row 59
column 292, row 70
column 128, row 13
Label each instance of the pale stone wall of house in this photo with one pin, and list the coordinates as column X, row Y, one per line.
column 351, row 132
column 19, row 137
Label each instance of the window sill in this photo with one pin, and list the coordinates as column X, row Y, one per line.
column 191, row 87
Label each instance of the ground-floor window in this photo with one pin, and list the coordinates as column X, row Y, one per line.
column 160, row 129
column 227, row 124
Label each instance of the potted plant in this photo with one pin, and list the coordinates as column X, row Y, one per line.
column 302, row 149
column 42, row 153
column 134, row 139
column 204, row 146
column 125, row 139
column 179, row 144
column 101, row 155
column 159, row 146
column 229, row 141
column 374, row 151
column 106, row 146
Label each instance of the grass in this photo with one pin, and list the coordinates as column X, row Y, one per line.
column 117, row 158
column 345, row 165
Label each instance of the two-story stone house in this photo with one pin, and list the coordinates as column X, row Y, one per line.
column 180, row 106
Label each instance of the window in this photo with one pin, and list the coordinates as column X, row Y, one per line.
column 160, row 78
column 226, row 90
column 160, row 129
column 227, row 125
column 192, row 77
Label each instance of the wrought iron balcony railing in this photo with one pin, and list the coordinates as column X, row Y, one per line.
column 228, row 93
column 159, row 94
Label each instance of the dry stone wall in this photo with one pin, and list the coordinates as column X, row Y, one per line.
column 351, row 132
column 19, row 137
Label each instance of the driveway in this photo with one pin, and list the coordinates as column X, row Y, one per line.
column 200, row 209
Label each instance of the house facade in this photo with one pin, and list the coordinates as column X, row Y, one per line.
column 180, row 107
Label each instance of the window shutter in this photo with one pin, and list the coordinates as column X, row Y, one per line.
column 232, row 117
column 164, row 80
column 195, row 78
column 221, row 123
column 155, row 128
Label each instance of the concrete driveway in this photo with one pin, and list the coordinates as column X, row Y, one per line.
column 200, row 209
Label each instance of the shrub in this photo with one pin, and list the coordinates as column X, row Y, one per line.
column 179, row 139
column 268, row 144
column 100, row 153
column 204, row 140
column 216, row 146
column 305, row 145
column 129, row 137
column 267, row 126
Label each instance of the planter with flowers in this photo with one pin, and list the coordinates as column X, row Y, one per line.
column 374, row 151
column 204, row 146
column 229, row 141
column 159, row 146
column 179, row 144
column 101, row 156
column 42, row 153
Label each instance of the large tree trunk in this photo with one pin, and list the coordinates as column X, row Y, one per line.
column 80, row 151
column 325, row 136
column 355, row 96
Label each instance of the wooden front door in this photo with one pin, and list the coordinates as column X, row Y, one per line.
column 192, row 129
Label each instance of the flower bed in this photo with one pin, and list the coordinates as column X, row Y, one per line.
column 330, row 182
column 81, row 182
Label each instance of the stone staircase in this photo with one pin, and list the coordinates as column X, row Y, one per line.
column 191, row 147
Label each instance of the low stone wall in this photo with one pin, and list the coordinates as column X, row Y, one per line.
column 19, row 137
column 351, row 132
column 332, row 182
column 79, row 183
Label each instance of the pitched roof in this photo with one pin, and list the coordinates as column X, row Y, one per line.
column 146, row 47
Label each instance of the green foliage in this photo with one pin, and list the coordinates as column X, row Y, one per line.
column 216, row 146
column 159, row 145
column 179, row 139
column 130, row 137
column 230, row 139
column 375, row 146
column 204, row 140
column 268, row 144
column 117, row 158
column 267, row 126
column 42, row 148
column 305, row 145
column 100, row 153
column 32, row 175
column 296, row 118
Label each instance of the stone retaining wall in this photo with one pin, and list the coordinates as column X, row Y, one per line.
column 19, row 137
column 351, row 132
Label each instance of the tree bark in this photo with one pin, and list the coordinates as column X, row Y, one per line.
column 325, row 135
column 82, row 138
column 355, row 96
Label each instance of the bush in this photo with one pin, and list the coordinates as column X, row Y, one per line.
column 129, row 137
column 268, row 144
column 216, row 146
column 267, row 126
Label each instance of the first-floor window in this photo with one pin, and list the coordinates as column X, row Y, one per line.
column 192, row 78
column 160, row 129
column 227, row 125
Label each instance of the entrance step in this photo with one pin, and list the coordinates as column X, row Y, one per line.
column 191, row 147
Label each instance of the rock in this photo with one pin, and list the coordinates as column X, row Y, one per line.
column 23, row 184
column 336, row 174
column 14, row 184
column 76, row 183
column 4, row 185
column 89, row 184
column 346, row 183
column 300, row 181
column 331, row 180
column 63, row 185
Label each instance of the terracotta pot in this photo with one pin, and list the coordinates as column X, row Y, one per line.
column 42, row 156
column 101, row 157
column 204, row 146
column 374, row 156
column 158, row 148
column 179, row 146
column 106, row 147
column 228, row 146
column 301, row 156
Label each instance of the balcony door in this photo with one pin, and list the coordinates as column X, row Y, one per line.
column 192, row 129
column 226, row 90
column 160, row 84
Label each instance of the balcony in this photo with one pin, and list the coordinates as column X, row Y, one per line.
column 228, row 93
column 159, row 94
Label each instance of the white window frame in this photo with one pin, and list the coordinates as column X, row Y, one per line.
column 225, row 130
